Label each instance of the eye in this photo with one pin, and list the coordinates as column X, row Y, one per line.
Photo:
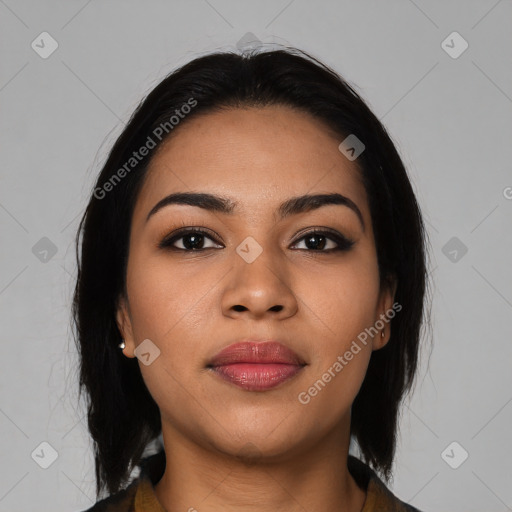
column 194, row 239
column 317, row 240
column 191, row 239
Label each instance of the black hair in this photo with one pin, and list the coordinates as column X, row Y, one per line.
column 123, row 418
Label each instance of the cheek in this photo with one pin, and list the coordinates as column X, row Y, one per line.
column 342, row 306
column 167, row 299
column 339, row 362
column 167, row 305
column 342, row 299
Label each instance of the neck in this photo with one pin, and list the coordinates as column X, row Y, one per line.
column 207, row 480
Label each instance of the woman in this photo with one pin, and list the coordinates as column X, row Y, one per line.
column 251, row 288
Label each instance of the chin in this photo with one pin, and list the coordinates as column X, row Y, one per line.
column 252, row 447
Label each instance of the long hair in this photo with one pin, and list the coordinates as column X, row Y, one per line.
column 122, row 416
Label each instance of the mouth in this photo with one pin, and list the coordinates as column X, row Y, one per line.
column 256, row 366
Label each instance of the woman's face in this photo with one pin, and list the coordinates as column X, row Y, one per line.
column 257, row 274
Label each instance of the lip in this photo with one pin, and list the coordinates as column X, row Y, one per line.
column 256, row 366
column 270, row 352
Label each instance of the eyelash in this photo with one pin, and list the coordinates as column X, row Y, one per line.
column 344, row 244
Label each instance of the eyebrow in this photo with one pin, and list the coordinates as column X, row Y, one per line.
column 292, row 206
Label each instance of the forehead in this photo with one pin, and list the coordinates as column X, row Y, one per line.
column 257, row 156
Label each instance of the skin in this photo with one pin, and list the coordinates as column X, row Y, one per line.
column 227, row 448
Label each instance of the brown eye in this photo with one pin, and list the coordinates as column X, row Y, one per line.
column 191, row 239
column 325, row 241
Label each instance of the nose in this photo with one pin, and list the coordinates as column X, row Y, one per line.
column 258, row 289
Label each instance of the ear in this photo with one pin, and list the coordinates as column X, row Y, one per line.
column 124, row 325
column 385, row 303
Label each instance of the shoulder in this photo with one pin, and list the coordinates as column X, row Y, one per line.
column 139, row 492
column 378, row 496
column 122, row 501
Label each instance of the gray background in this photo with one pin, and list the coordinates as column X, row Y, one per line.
column 450, row 118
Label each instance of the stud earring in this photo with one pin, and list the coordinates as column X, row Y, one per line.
column 122, row 345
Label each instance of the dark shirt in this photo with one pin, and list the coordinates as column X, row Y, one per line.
column 140, row 495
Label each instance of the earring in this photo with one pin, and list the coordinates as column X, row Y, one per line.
column 122, row 345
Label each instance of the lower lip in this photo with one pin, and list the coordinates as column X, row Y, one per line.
column 257, row 376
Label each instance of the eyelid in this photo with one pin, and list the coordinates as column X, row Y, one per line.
column 319, row 230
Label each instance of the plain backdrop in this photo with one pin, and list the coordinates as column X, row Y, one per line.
column 447, row 107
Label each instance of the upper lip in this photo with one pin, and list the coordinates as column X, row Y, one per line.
column 247, row 351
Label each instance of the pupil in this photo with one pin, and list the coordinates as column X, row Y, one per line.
column 317, row 245
column 196, row 239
